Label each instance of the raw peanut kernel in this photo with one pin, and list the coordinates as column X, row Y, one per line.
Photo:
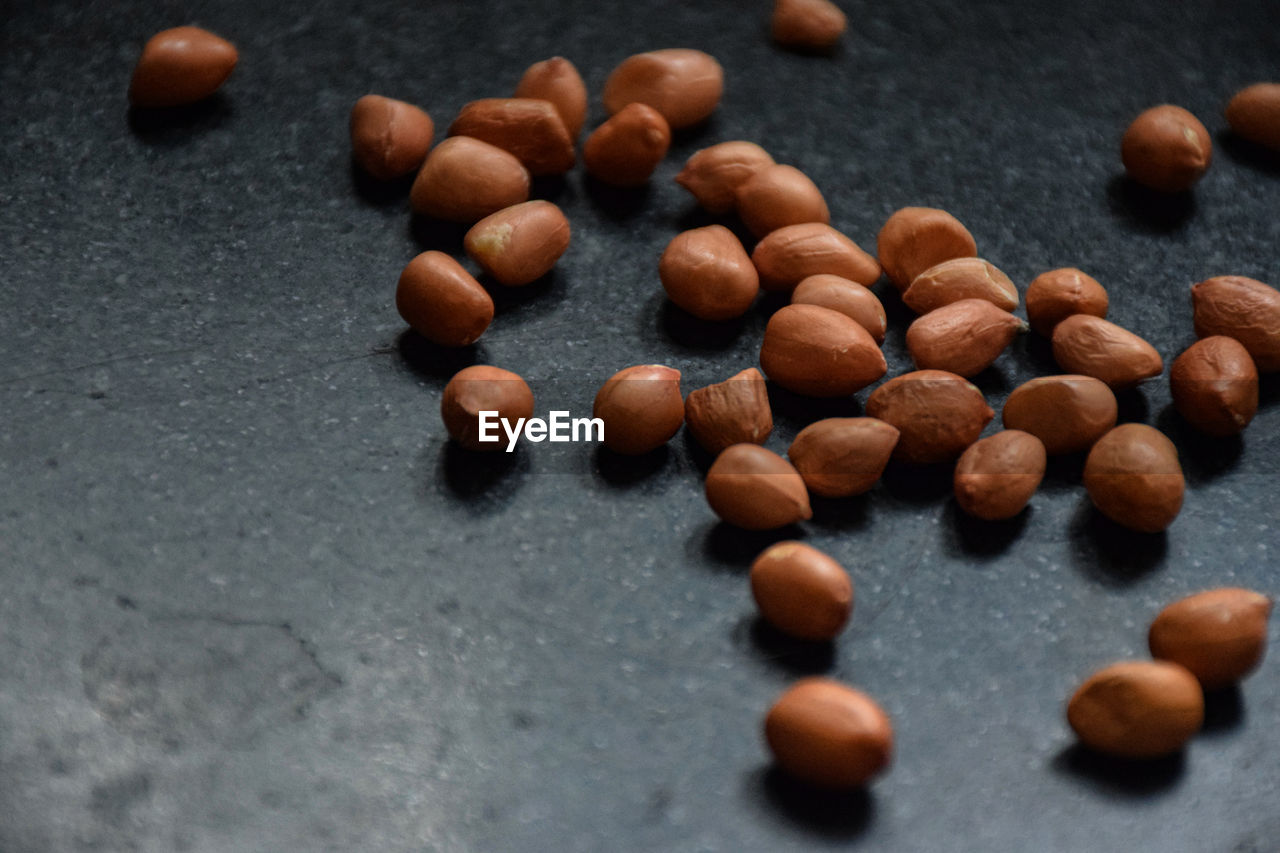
column 641, row 408
column 707, row 273
column 530, row 128
column 996, row 476
column 960, row 278
column 735, row 411
column 1055, row 295
column 1215, row 386
column 787, row 256
column 558, row 81
column 1067, row 413
column 830, row 735
column 851, row 299
column 1166, row 148
column 777, row 196
column 808, row 25
column 1254, row 113
column 626, row 149
column 442, row 302
column 1244, row 309
column 839, row 457
column 181, row 66
column 684, row 85
column 964, row 337
column 801, row 591
column 389, row 138
column 519, row 244
column 916, row 238
column 1095, row 347
column 938, row 414
column 482, row 388
column 816, row 351
column 756, row 489
column 465, row 180
column 1133, row 477
column 1137, row 709
column 714, row 174
column 1219, row 635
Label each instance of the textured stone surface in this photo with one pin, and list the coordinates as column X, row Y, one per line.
column 253, row 601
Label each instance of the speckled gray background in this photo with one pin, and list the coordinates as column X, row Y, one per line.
column 252, row 601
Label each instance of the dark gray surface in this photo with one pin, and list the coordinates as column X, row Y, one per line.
column 253, row 601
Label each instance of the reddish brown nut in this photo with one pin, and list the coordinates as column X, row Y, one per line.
column 996, row 476
column 801, row 591
column 807, row 25
column 1166, row 148
column 464, row 180
column 819, row 352
column 707, row 273
column 916, row 238
column 558, row 81
column 1215, row 386
column 389, row 138
column 1055, row 295
column 1133, row 477
column 756, row 489
column 851, row 299
column 641, row 408
column 1137, row 709
column 789, row 255
column 442, row 302
column 1067, row 413
column 960, row 278
column 684, row 85
column 1244, row 309
column 519, row 244
column 830, row 735
column 478, row 389
column 734, row 411
column 1095, row 347
column 1254, row 114
column 963, row 337
column 938, row 414
column 839, row 457
column 626, row 149
column 529, row 128
column 181, row 66
column 1220, row 635
column 714, row 174
column 777, row 196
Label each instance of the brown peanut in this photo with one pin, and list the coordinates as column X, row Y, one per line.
column 777, row 196
column 916, row 238
column 714, row 174
column 938, row 414
column 807, row 25
column 734, row 411
column 558, row 81
column 1055, row 295
column 482, row 388
column 684, row 85
column 641, row 407
column 465, row 180
column 181, row 66
column 707, row 273
column 1244, row 309
column 1166, row 148
column 1095, row 347
column 789, row 255
column 1254, row 114
column 442, row 302
column 851, row 299
column 1067, row 413
column 963, row 337
column 801, row 591
column 519, row 244
column 1215, row 386
column 819, row 352
column 756, row 489
column 389, row 138
column 839, row 457
column 529, row 128
column 830, row 735
column 1220, row 635
column 960, row 278
column 626, row 149
column 1137, row 709
column 996, row 476
column 1133, row 477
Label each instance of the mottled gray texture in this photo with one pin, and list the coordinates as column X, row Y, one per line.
column 253, row 601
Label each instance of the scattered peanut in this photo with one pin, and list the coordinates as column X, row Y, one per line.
column 777, row 196
column 684, row 85
column 1254, row 113
column 1137, row 709
column 641, row 408
column 963, row 337
column 558, row 81
column 626, row 149
column 1133, row 477
column 1244, row 309
column 938, row 414
column 482, row 388
column 756, row 489
column 1055, row 295
column 839, row 457
column 707, row 273
column 519, row 244
column 819, row 352
column 1166, row 148
column 389, row 138
column 1219, row 635
column 996, row 476
column 801, row 591
column 1215, row 386
column 465, row 180
column 916, row 238
column 960, row 278
column 714, row 174
column 1067, row 413
column 808, row 25
column 789, row 255
column 734, row 411
column 830, row 735
column 181, row 66
column 529, row 128
column 851, row 299
column 1095, row 347
column 442, row 302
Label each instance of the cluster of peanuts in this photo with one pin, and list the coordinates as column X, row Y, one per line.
column 826, row 343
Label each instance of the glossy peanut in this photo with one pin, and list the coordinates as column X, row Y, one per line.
column 777, row 196
column 1215, row 386
column 1137, row 709
column 830, row 735
column 807, row 25
column 181, row 66
column 713, row 175
column 707, row 273
column 791, row 254
column 914, row 239
column 937, row 414
column 1220, row 635
column 957, row 279
column 1055, row 295
column 756, row 489
column 839, row 457
column 851, row 299
column 1133, row 477
column 963, row 337
column 482, row 388
column 802, row 591
column 1067, row 413
column 641, row 408
column 1254, row 114
column 519, row 244
column 997, row 475
column 683, row 84
column 465, row 180
column 557, row 80
column 626, row 149
column 819, row 352
column 442, row 301
column 1166, row 148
